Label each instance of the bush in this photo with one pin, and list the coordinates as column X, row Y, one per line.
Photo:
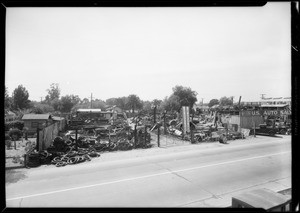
column 7, row 137
column 14, row 124
column 15, row 134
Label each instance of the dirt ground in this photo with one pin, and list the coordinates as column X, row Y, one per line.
column 14, row 157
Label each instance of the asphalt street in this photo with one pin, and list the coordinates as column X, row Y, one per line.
column 170, row 179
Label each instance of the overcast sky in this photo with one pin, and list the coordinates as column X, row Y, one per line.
column 115, row 52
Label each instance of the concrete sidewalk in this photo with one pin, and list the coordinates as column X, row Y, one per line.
column 224, row 201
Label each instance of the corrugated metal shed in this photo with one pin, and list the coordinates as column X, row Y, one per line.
column 36, row 117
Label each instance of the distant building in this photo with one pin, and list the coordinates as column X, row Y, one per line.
column 33, row 121
column 265, row 102
column 114, row 109
column 10, row 116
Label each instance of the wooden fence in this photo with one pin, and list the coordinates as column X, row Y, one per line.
column 47, row 134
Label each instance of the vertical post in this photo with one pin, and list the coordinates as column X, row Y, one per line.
column 135, row 136
column 192, row 136
column 154, row 114
column 165, row 126
column 145, row 136
column 109, row 141
column 76, row 142
column 91, row 100
column 158, row 133
column 15, row 143
column 25, row 160
column 254, row 130
column 37, row 139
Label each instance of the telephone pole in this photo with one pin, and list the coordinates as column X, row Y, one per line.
column 91, row 100
column 262, row 96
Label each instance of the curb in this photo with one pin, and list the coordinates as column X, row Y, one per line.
column 15, row 167
column 283, row 192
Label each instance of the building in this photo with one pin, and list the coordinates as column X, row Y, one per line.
column 246, row 119
column 61, row 121
column 269, row 102
column 10, row 116
column 33, row 121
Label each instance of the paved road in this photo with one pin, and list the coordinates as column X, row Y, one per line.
column 172, row 179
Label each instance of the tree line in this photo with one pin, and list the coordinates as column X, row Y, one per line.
column 54, row 102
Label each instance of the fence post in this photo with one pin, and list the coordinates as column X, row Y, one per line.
column 135, row 135
column 192, row 136
column 158, row 133
column 37, row 139
column 145, row 136
column 76, row 143
column 165, row 129
column 154, row 115
column 254, row 129
column 15, row 144
column 109, row 141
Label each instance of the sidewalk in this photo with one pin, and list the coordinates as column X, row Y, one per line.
column 182, row 147
column 282, row 186
column 165, row 150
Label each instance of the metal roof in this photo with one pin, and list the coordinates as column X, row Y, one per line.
column 89, row 110
column 274, row 105
column 36, row 117
column 56, row 118
column 263, row 198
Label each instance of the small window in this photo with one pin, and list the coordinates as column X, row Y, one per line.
column 34, row 124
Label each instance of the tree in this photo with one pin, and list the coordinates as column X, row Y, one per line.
column 225, row 101
column 171, row 103
column 182, row 96
column 111, row 101
column 186, row 96
column 41, row 108
column 213, row 102
column 134, row 102
column 119, row 102
column 56, row 104
column 7, row 100
column 85, row 101
column 53, row 92
column 75, row 99
column 20, row 98
column 66, row 104
column 98, row 104
column 147, row 106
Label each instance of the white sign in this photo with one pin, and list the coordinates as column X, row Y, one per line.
column 185, row 119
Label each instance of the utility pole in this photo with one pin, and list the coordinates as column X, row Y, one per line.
column 91, row 100
column 262, row 96
column 41, row 99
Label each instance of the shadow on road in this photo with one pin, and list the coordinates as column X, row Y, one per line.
column 13, row 176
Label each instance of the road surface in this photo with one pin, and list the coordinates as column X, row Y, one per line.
column 172, row 179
